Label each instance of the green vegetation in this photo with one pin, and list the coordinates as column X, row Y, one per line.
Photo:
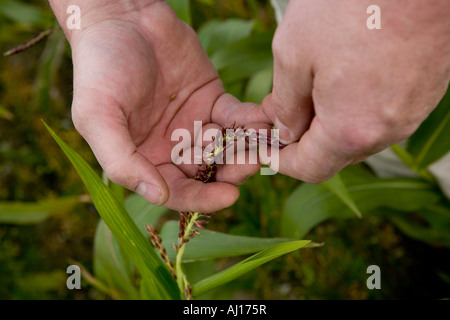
column 53, row 214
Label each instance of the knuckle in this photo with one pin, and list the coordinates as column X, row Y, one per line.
column 277, row 45
column 285, row 59
column 362, row 139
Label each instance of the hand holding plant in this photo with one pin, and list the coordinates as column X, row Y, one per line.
column 139, row 74
column 343, row 92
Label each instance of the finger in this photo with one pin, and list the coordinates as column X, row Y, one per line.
column 315, row 158
column 195, row 196
column 239, row 159
column 243, row 161
column 237, row 173
column 290, row 105
column 228, row 111
column 236, row 157
column 107, row 134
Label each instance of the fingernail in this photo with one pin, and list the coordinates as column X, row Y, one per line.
column 284, row 132
column 149, row 192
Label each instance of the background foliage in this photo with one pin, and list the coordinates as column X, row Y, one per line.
column 47, row 221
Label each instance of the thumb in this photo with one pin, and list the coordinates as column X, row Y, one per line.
column 111, row 143
column 290, row 105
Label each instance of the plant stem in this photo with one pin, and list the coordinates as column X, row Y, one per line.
column 181, row 278
column 409, row 162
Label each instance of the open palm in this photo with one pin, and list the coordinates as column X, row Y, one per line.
column 135, row 82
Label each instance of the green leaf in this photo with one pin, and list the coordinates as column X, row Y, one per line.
column 337, row 186
column 31, row 213
column 216, row 34
column 143, row 212
column 111, row 264
column 310, row 204
column 408, row 160
column 118, row 190
column 49, row 64
column 421, row 233
column 246, row 265
column 213, row 245
column 259, row 86
column 431, row 224
column 130, row 238
column 244, row 58
column 431, row 141
column 182, row 9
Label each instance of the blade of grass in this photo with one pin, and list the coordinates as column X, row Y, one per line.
column 111, row 266
column 139, row 250
column 311, row 204
column 111, row 263
column 246, row 265
column 35, row 212
column 430, row 142
column 337, row 186
column 213, row 245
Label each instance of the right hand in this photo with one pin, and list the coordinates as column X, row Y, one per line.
column 343, row 92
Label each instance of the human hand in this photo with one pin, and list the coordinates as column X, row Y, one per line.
column 139, row 74
column 343, row 92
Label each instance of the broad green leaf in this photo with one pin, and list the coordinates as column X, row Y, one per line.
column 213, row 245
column 118, row 190
column 431, row 224
column 30, row 213
column 206, row 33
column 130, row 238
column 199, row 270
column 311, row 204
column 143, row 212
column 337, row 186
column 259, row 86
column 408, row 160
column 244, row 58
column 431, row 141
column 246, row 265
column 111, row 264
column 182, row 9
column 215, row 34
